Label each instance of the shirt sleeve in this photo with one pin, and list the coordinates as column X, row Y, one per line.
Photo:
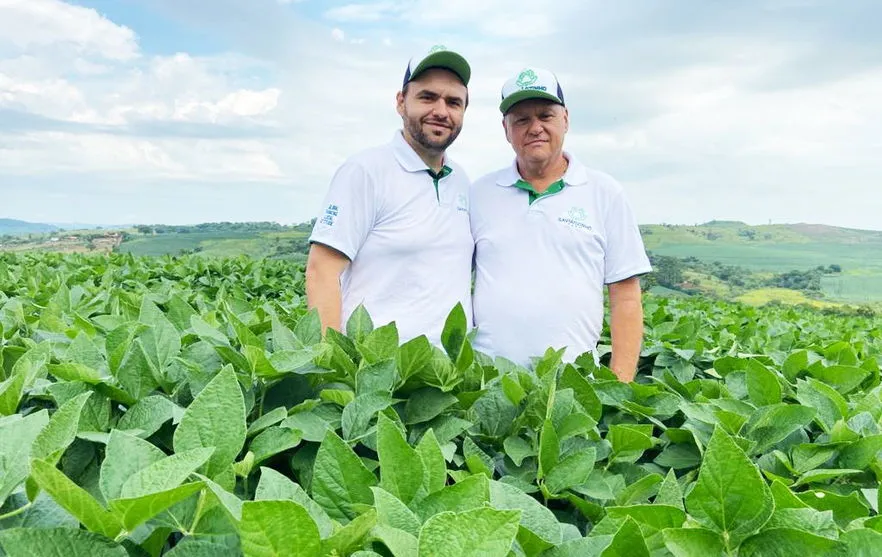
column 349, row 211
column 625, row 254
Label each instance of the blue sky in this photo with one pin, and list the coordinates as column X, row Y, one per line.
column 185, row 111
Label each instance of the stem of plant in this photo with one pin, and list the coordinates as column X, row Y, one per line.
column 199, row 506
column 16, row 512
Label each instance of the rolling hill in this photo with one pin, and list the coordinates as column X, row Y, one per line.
column 14, row 227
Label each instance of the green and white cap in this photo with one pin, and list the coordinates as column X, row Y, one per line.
column 438, row 57
column 531, row 83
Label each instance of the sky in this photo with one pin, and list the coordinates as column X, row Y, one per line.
column 188, row 111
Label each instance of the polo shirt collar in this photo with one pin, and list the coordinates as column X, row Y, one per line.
column 405, row 155
column 576, row 174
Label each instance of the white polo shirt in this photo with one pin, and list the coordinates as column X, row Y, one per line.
column 406, row 234
column 541, row 266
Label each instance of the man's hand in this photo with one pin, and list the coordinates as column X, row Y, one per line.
column 626, row 327
column 323, row 269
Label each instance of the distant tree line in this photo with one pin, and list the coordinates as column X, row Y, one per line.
column 263, row 226
column 669, row 271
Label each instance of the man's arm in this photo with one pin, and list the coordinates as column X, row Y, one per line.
column 626, row 327
column 323, row 269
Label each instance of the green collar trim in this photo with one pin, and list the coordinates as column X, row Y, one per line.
column 438, row 176
column 534, row 195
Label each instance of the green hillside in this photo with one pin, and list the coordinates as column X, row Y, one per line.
column 781, row 248
column 12, row 227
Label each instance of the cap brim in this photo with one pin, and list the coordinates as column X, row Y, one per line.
column 524, row 95
column 446, row 59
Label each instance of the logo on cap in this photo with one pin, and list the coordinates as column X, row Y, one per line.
column 437, row 48
column 527, row 78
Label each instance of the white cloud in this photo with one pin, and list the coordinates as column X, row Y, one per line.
column 338, row 34
column 53, row 23
column 364, row 12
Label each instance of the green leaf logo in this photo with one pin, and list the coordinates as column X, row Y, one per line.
column 577, row 214
column 527, row 78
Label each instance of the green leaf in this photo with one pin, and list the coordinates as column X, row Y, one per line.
column 397, row 541
column 135, row 375
column 862, row 542
column 413, row 356
column 271, row 418
column 861, row 453
column 475, row 533
column 730, row 495
column 453, row 336
column 762, row 384
column 164, row 474
column 652, row 519
column 549, row 449
column 470, row 493
column 134, row 511
column 670, row 493
column 434, row 466
column 690, row 542
column 822, row 475
column 125, row 455
column 538, row 526
column 61, row 430
column 216, row 419
column 340, row 480
column 358, row 414
column 273, row 441
column 518, row 449
column 571, row 471
column 426, row 404
column 380, row 344
column 844, row 379
column 275, row 486
column 17, row 435
column 629, row 441
column 810, row 520
column 74, row 499
column 359, row 324
column 58, row 542
column 583, row 391
column 639, row 491
column 277, row 529
column 627, row 542
column 351, row 536
column 846, row 508
column 380, row 376
column 401, row 468
column 786, row 542
column 395, row 514
column 772, row 424
column 161, row 341
column 148, row 415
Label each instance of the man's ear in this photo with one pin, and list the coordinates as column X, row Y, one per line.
column 399, row 103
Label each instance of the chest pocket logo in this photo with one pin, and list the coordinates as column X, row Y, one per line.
column 462, row 203
column 575, row 217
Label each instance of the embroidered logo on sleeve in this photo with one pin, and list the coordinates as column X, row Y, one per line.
column 575, row 217
column 330, row 215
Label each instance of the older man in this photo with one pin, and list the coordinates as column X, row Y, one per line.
column 549, row 234
column 394, row 235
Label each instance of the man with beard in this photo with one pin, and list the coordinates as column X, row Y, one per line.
column 394, row 233
column 549, row 234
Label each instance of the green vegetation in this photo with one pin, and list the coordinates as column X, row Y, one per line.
column 190, row 406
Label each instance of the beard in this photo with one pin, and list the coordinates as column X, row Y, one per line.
column 429, row 141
